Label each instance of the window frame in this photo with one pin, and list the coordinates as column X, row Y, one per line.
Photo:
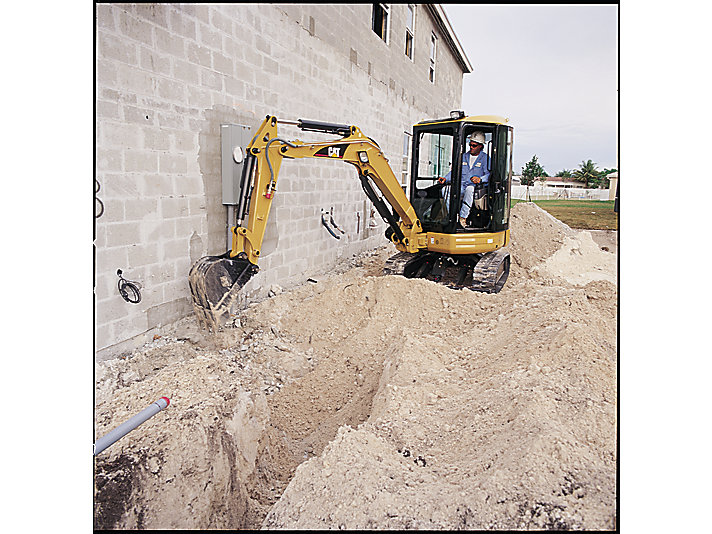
column 433, row 56
column 410, row 32
column 386, row 11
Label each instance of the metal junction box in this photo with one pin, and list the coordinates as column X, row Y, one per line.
column 234, row 140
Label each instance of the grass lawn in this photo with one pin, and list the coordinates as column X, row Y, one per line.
column 581, row 214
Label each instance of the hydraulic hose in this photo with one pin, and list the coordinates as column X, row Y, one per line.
column 271, row 186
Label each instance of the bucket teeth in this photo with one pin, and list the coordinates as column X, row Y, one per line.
column 215, row 283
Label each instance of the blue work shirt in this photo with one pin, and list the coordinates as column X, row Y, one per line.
column 479, row 168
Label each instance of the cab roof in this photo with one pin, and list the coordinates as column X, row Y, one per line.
column 491, row 119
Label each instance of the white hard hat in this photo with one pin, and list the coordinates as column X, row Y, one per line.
column 478, row 137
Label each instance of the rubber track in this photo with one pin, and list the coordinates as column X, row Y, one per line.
column 396, row 263
column 483, row 277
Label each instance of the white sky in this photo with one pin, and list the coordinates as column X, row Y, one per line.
column 552, row 70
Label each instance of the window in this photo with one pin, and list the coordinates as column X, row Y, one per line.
column 381, row 21
column 434, row 160
column 433, row 51
column 409, row 30
column 406, row 160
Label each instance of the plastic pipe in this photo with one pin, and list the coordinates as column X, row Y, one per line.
column 123, row 429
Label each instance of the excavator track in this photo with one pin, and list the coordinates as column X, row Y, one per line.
column 486, row 273
column 215, row 283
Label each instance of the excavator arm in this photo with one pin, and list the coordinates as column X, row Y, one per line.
column 265, row 155
column 215, row 281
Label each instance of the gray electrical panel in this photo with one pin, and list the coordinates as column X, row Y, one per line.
column 234, row 140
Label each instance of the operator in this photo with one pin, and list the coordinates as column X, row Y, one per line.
column 475, row 176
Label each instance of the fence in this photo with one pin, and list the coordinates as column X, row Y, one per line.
column 538, row 192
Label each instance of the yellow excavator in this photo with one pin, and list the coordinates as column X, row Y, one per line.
column 433, row 239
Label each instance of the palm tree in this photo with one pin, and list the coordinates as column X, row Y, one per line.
column 587, row 173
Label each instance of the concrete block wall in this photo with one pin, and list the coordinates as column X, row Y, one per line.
column 168, row 75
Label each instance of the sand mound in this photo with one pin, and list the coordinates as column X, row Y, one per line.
column 379, row 402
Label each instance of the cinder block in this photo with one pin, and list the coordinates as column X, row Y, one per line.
column 133, row 80
column 171, row 121
column 106, row 73
column 105, row 17
column 173, row 163
column 181, row 24
column 209, row 37
column 221, row 22
column 154, row 62
column 155, row 139
column 120, row 135
column 140, row 255
column 127, row 327
column 103, row 336
column 154, row 185
column 167, row 42
column 122, row 234
column 135, row 28
column 159, row 274
column 171, row 90
column 140, row 161
column 185, row 71
column 113, row 47
column 140, row 209
column 108, row 159
column 112, row 309
column 202, row 13
column 107, row 110
column 153, row 13
column 223, row 64
column 211, row 79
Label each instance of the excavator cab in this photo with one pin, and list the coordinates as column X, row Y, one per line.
column 440, row 150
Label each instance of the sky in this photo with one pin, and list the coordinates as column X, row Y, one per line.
column 552, row 70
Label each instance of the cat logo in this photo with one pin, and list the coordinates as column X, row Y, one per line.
column 336, row 151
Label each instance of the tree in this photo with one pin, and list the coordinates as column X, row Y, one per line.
column 587, row 173
column 565, row 173
column 530, row 172
column 605, row 183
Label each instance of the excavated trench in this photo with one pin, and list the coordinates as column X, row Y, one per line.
column 416, row 405
column 256, row 401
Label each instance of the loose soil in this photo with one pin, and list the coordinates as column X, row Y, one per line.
column 363, row 401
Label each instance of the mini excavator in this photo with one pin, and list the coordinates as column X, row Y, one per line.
column 426, row 230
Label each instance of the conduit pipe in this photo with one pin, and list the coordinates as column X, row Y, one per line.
column 123, row 429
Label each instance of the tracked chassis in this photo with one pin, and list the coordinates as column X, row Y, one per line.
column 486, row 273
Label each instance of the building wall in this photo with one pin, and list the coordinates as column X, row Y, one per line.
column 167, row 76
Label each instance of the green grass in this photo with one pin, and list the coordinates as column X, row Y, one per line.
column 581, row 214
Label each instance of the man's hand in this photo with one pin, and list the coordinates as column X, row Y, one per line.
column 476, row 179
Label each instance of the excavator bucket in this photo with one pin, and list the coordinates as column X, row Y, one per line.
column 215, row 283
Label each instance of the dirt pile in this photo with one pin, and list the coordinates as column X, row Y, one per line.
column 363, row 401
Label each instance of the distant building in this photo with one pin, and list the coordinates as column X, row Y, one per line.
column 560, row 182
